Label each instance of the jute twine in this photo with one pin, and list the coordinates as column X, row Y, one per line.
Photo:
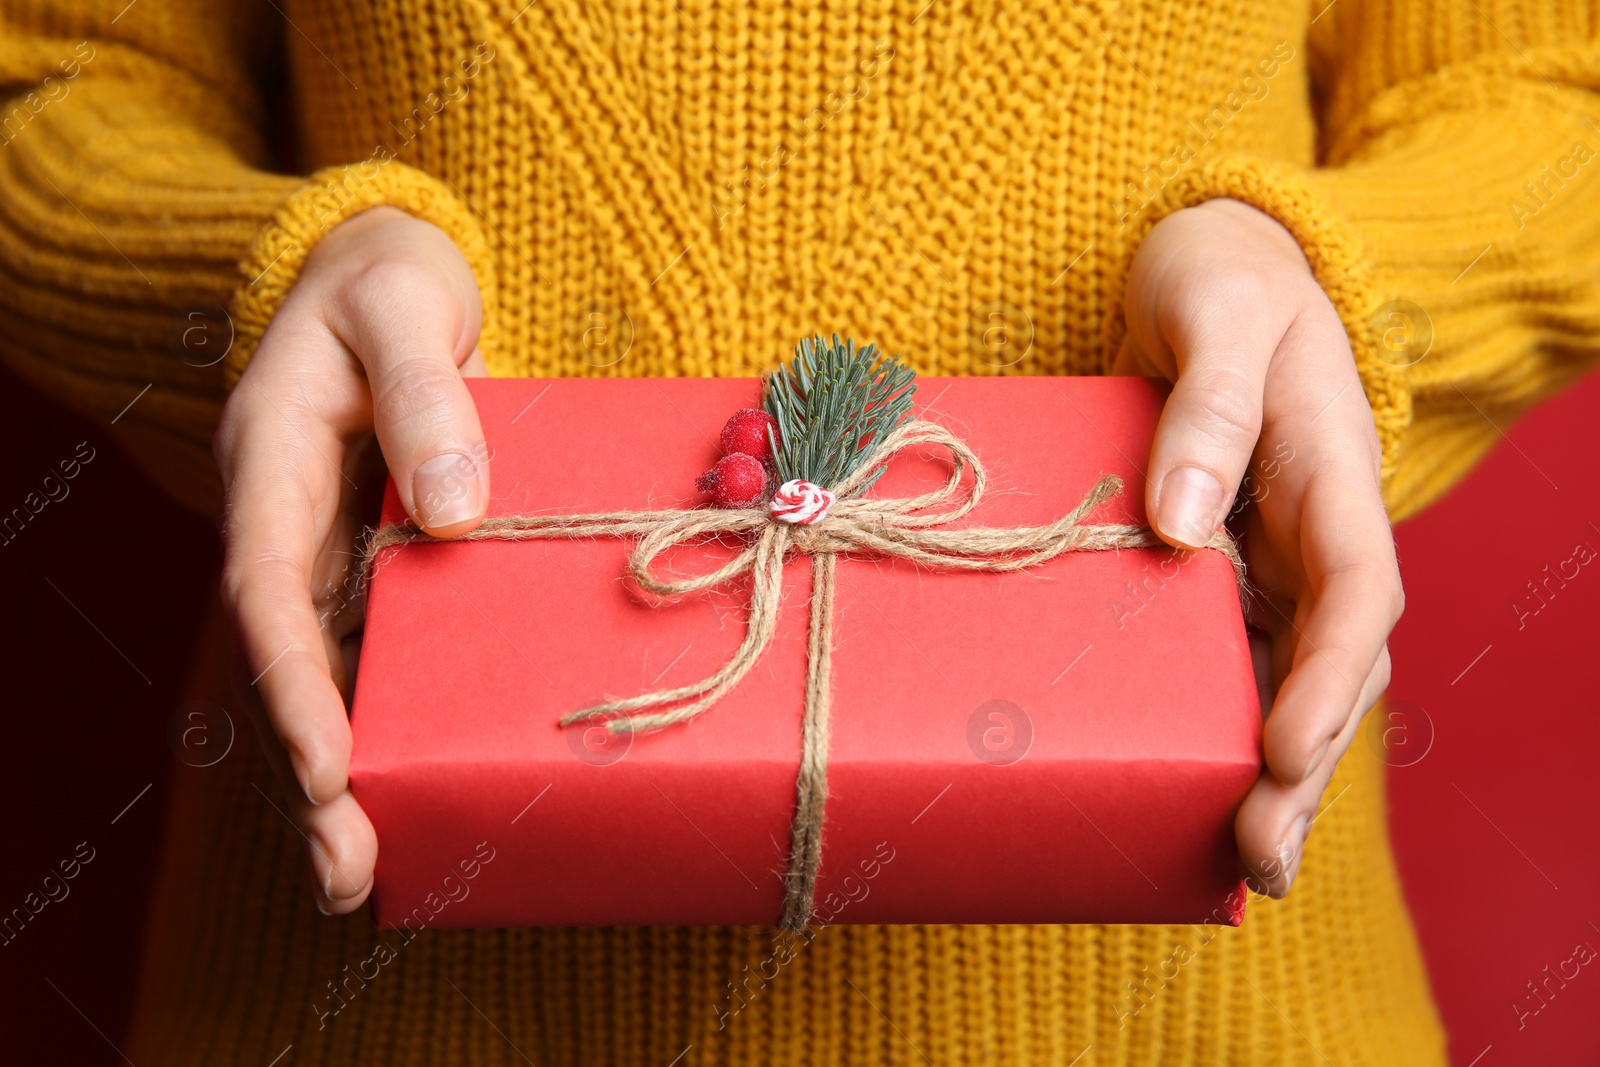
column 903, row 528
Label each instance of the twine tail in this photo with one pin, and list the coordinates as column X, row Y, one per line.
column 811, row 787
column 766, row 595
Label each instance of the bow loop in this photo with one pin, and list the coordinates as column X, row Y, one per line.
column 924, row 510
column 691, row 526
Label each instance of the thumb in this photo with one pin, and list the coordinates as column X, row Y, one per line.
column 412, row 338
column 1212, row 420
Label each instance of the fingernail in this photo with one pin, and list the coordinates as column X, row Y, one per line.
column 318, row 902
column 1188, row 506
column 446, row 490
column 302, row 773
column 1292, row 849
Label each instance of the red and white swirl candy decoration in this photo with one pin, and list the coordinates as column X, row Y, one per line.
column 800, row 501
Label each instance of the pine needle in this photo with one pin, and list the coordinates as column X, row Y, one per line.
column 833, row 405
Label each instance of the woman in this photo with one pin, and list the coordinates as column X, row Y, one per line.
column 1358, row 228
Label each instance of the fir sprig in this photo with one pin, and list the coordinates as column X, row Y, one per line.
column 833, row 405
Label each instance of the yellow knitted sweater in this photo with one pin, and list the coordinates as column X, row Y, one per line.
column 683, row 187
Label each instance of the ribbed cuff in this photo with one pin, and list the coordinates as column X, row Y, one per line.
column 326, row 199
column 1332, row 247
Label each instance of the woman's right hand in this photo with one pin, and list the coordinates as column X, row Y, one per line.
column 372, row 341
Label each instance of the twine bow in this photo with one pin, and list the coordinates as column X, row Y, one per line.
column 902, row 528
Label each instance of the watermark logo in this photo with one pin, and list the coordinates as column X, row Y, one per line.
column 601, row 334
column 595, row 745
column 1199, row 129
column 755, row 177
column 1000, row 333
column 200, row 733
column 53, row 888
column 55, row 87
column 853, row 887
column 201, row 335
column 1551, row 581
column 1400, row 732
column 1548, row 984
column 1551, row 182
column 453, row 888
column 53, row 489
column 1401, row 332
column 1256, row 485
column 999, row 733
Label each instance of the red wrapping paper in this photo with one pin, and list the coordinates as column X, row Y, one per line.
column 1067, row 744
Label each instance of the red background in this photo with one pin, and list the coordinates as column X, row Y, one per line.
column 1497, row 827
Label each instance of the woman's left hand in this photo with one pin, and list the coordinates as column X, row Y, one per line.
column 1221, row 301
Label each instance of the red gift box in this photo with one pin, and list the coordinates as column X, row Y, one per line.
column 1060, row 745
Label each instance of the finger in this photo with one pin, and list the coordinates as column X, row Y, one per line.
column 1355, row 598
column 1267, row 610
column 1273, row 824
column 338, row 596
column 249, row 698
column 350, row 650
column 412, row 323
column 1272, row 557
column 1131, row 359
column 1261, row 666
column 279, row 471
column 341, row 602
column 344, row 852
column 1222, row 331
column 1271, row 829
column 1124, row 362
column 341, row 843
column 1276, row 818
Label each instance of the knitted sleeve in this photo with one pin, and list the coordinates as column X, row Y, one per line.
column 1454, row 220
column 144, row 240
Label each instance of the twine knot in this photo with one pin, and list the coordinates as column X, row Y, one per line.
column 821, row 523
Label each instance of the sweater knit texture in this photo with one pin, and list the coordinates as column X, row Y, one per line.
column 685, row 187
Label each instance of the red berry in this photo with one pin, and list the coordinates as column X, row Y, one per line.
column 746, row 432
column 737, row 481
